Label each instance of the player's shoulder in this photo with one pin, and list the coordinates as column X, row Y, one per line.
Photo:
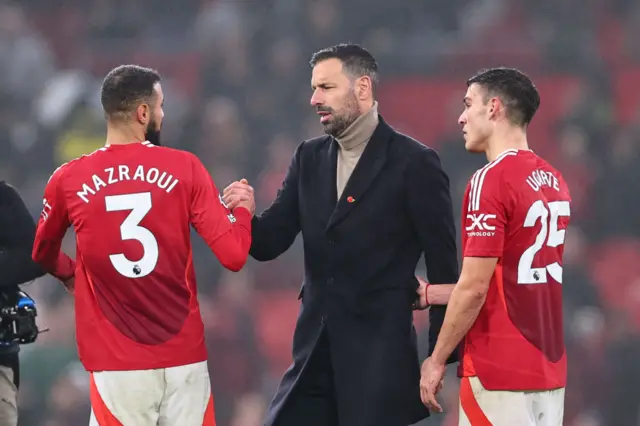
column 84, row 159
column 65, row 169
column 162, row 151
column 497, row 170
column 173, row 154
column 523, row 162
column 541, row 163
column 526, row 167
column 494, row 179
column 185, row 165
column 173, row 158
column 72, row 167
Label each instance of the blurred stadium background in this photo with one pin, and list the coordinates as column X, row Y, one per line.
column 237, row 89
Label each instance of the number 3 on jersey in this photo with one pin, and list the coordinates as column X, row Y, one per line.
column 140, row 205
column 550, row 234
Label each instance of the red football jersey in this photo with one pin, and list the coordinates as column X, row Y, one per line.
column 517, row 208
column 131, row 207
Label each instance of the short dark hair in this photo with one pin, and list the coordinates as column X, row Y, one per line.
column 125, row 87
column 356, row 60
column 514, row 88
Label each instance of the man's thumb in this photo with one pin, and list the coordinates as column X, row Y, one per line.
column 246, row 182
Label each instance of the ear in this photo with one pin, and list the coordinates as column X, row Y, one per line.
column 493, row 106
column 143, row 113
column 363, row 87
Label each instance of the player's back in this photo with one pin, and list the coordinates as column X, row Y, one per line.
column 517, row 343
column 136, row 303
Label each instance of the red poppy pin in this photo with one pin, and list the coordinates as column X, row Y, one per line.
column 350, row 199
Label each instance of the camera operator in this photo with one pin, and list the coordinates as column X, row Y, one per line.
column 17, row 309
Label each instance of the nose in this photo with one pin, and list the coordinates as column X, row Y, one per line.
column 462, row 120
column 316, row 98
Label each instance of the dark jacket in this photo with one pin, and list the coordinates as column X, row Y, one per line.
column 17, row 232
column 360, row 256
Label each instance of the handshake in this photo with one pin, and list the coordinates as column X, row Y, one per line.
column 239, row 194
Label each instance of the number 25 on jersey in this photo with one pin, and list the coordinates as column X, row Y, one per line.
column 139, row 204
column 549, row 235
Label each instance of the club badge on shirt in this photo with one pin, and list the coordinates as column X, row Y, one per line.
column 230, row 216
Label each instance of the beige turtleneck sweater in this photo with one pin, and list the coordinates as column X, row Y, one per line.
column 352, row 143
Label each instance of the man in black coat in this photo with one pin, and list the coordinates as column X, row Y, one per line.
column 17, row 231
column 368, row 201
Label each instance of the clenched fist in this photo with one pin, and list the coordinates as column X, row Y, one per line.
column 239, row 194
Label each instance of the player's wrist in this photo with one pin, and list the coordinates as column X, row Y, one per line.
column 242, row 214
column 436, row 358
column 64, row 268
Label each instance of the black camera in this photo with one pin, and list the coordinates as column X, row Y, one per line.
column 18, row 318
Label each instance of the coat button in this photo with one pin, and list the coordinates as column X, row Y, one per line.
column 322, row 320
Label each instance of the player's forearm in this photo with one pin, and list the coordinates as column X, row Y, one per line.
column 232, row 248
column 50, row 258
column 439, row 294
column 463, row 308
column 65, row 267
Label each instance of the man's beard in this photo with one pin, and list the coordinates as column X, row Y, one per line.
column 153, row 133
column 339, row 123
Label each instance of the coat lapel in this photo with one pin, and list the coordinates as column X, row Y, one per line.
column 331, row 168
column 370, row 164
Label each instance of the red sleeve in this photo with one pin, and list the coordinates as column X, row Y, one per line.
column 52, row 226
column 227, row 233
column 486, row 217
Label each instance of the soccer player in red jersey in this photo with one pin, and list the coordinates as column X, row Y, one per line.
column 506, row 308
column 131, row 204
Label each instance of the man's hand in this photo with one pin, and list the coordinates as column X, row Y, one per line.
column 239, row 194
column 70, row 284
column 422, row 302
column 431, row 382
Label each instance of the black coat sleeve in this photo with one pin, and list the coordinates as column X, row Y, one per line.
column 17, row 232
column 431, row 211
column 275, row 230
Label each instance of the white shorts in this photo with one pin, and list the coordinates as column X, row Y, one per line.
column 481, row 407
column 163, row 397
